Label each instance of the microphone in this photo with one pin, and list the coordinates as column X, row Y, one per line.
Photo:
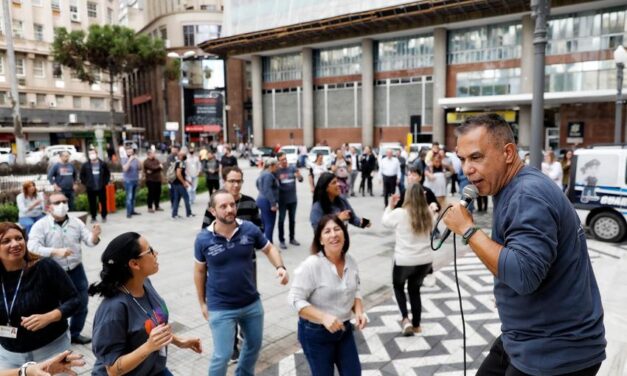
column 469, row 194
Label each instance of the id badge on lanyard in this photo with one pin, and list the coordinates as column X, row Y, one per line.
column 8, row 331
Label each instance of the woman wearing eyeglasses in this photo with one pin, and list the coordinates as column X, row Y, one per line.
column 131, row 330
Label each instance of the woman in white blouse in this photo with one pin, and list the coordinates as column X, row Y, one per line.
column 325, row 292
column 30, row 204
column 412, row 255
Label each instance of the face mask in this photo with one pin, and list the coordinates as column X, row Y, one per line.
column 93, row 156
column 60, row 210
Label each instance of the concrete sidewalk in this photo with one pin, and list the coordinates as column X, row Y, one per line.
column 383, row 351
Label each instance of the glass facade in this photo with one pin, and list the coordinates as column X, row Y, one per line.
column 485, row 43
column 587, row 75
column 282, row 68
column 404, row 53
column 488, row 82
column 337, row 61
column 591, row 31
column 196, row 34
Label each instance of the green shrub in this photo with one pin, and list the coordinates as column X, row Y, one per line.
column 8, row 212
column 81, row 203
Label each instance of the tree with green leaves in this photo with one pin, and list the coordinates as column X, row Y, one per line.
column 115, row 50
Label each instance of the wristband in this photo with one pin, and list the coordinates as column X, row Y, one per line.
column 22, row 371
column 469, row 233
column 281, row 266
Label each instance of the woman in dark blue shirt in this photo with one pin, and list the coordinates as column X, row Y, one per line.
column 327, row 199
column 131, row 330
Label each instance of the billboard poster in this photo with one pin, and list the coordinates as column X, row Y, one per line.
column 596, row 181
column 203, row 110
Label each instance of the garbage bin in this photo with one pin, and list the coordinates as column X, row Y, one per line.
column 110, row 191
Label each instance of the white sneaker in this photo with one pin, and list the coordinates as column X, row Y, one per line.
column 407, row 330
column 429, row 280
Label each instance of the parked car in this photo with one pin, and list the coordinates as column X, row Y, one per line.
column 257, row 154
column 291, row 152
column 325, row 151
column 598, row 190
column 34, row 157
column 414, row 150
column 6, row 158
column 53, row 152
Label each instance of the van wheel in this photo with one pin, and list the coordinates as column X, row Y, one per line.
column 608, row 227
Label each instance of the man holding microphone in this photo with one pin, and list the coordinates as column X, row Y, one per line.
column 546, row 292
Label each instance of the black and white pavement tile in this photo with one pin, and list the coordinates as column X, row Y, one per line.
column 438, row 350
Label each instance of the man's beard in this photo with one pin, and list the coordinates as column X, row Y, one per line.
column 225, row 220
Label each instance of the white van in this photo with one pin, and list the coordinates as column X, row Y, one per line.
column 598, row 190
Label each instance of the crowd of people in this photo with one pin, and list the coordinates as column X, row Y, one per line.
column 44, row 280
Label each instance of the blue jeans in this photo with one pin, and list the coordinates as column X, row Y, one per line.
column 291, row 211
column 131, row 189
column 268, row 217
column 10, row 359
column 222, row 324
column 28, row 222
column 178, row 192
column 324, row 349
column 77, row 321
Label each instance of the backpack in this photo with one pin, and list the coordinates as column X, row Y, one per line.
column 170, row 174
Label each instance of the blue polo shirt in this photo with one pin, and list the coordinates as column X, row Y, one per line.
column 230, row 269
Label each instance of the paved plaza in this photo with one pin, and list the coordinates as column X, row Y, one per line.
column 438, row 351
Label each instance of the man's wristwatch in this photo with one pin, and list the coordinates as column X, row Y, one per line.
column 281, row 266
column 22, row 371
column 469, row 233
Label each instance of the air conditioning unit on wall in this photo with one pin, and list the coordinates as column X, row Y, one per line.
column 53, row 104
column 74, row 17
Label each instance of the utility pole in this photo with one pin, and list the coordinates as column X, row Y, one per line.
column 20, row 142
column 540, row 10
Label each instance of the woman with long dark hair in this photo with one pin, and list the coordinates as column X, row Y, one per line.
column 38, row 298
column 327, row 199
column 30, row 204
column 325, row 293
column 412, row 255
column 131, row 330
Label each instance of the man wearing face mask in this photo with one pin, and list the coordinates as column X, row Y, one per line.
column 59, row 236
column 95, row 176
column 131, row 167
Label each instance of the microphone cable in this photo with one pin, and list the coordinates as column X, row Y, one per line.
column 459, row 294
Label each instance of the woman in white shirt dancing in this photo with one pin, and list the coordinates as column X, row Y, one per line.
column 325, row 292
column 412, row 255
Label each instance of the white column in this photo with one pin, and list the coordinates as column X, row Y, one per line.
column 367, row 92
column 439, row 83
column 257, row 87
column 308, row 102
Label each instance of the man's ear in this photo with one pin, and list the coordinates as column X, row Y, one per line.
column 212, row 210
column 510, row 152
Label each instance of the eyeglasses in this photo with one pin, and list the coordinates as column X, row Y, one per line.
column 231, row 181
column 59, row 202
column 149, row 251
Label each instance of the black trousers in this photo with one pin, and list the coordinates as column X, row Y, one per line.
column 366, row 179
column 213, row 185
column 413, row 276
column 154, row 193
column 389, row 186
column 497, row 363
column 93, row 197
column 290, row 210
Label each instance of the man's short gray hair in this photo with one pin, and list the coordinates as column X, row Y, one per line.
column 494, row 124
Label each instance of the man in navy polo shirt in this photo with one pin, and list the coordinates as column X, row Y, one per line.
column 225, row 284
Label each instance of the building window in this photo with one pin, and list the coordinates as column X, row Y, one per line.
column 163, row 32
column 404, row 53
column 195, row 34
column 19, row 66
column 18, row 29
column 41, row 99
column 337, row 61
column 188, row 35
column 587, row 75
column 116, row 105
column 74, row 10
column 59, row 99
column 39, row 68
column 92, row 10
column 282, row 68
column 485, row 43
column 488, row 82
column 39, row 32
column 55, row 4
column 97, row 74
column 96, row 103
column 22, row 99
column 1, row 64
column 57, row 70
column 589, row 31
column 109, row 15
column 3, row 97
column 76, row 102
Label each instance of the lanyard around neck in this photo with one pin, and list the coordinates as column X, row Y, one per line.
column 8, row 307
column 140, row 306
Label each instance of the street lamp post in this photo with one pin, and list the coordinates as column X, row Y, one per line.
column 182, row 58
column 620, row 58
column 540, row 10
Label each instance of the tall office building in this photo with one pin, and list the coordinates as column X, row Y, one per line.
column 56, row 107
column 153, row 99
column 363, row 71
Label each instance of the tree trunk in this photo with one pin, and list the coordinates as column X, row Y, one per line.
column 114, row 138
